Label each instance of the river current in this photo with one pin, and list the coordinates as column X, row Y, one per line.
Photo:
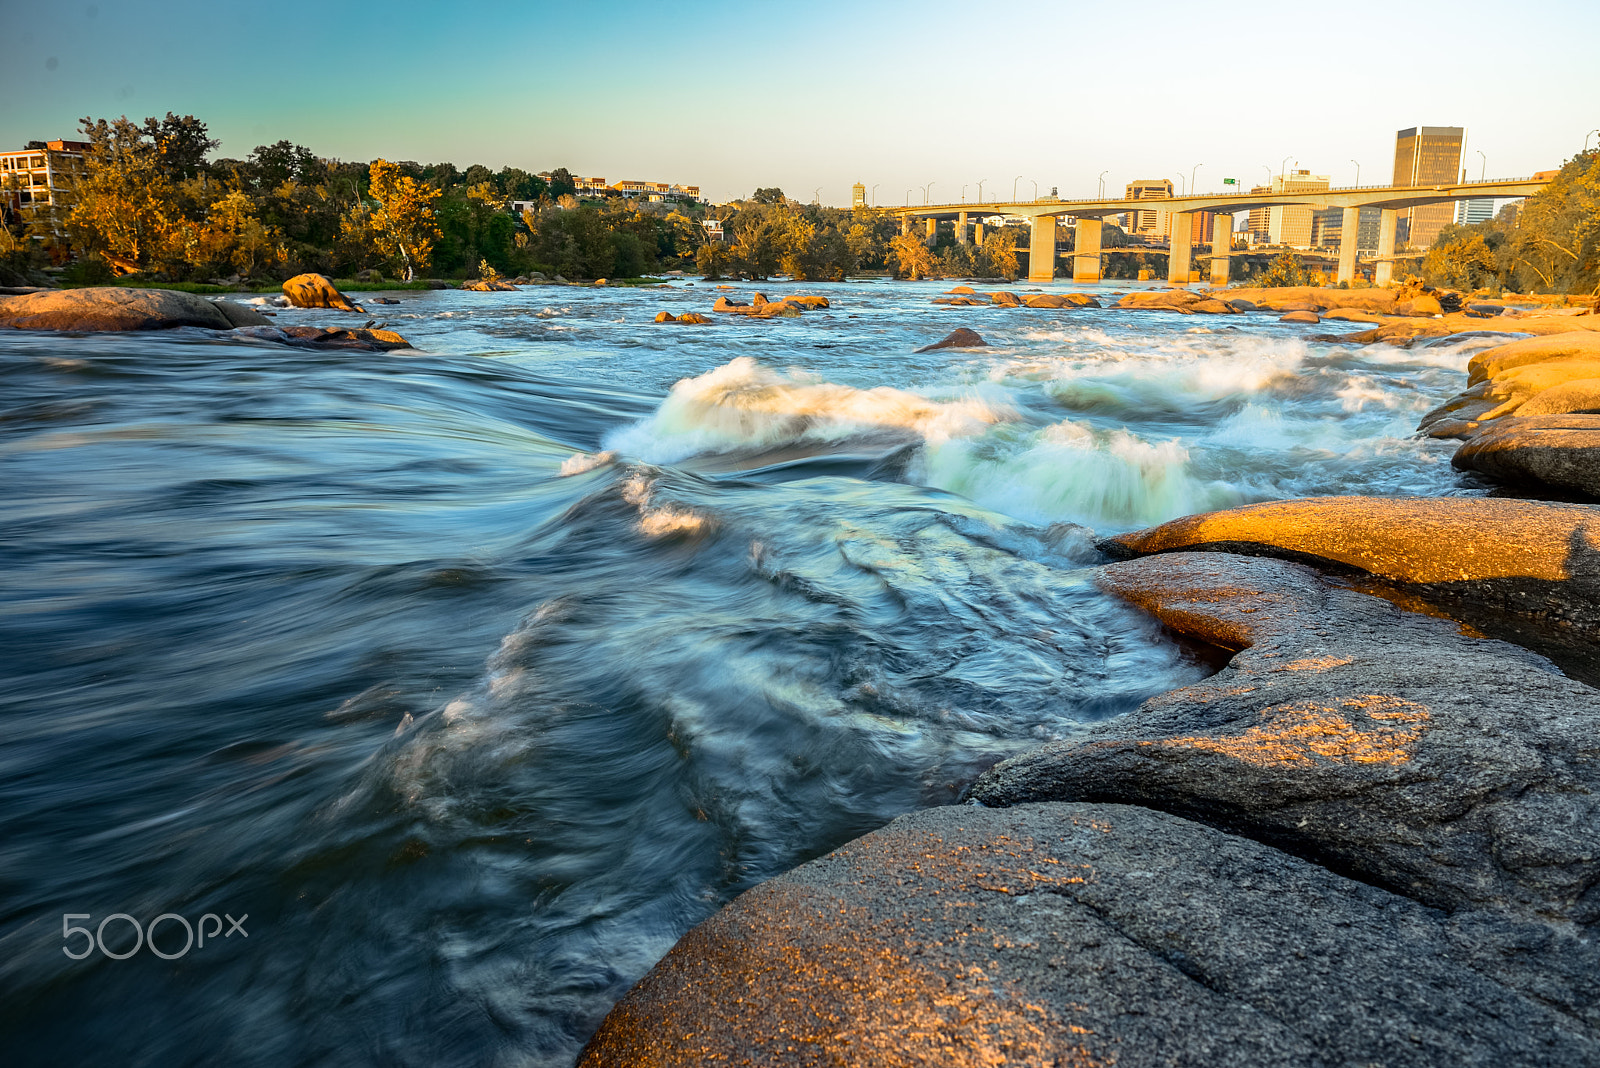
column 473, row 677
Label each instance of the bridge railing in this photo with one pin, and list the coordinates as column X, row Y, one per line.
column 1183, row 196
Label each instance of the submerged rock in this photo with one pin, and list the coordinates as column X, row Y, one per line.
column 1090, row 934
column 961, row 338
column 1300, row 317
column 495, row 285
column 325, row 338
column 116, row 308
column 316, row 291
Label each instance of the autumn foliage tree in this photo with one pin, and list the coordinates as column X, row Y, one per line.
column 403, row 226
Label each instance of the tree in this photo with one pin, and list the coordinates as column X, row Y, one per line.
column 272, row 165
column 404, row 227
column 561, row 183
column 771, row 195
column 1557, row 239
column 712, row 260
column 910, row 258
column 1460, row 258
column 1285, row 270
column 127, row 206
column 1000, row 252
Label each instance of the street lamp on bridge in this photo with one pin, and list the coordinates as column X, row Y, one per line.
column 963, row 194
column 925, row 192
column 1035, row 189
column 875, row 193
column 1269, row 173
column 1484, row 169
column 1014, row 182
column 1283, row 167
column 980, row 190
column 1586, row 137
column 1103, row 184
column 1358, row 174
column 1196, row 167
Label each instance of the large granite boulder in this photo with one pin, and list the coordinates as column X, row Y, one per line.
column 1183, row 301
column 960, row 338
column 318, row 337
column 1550, row 450
column 1569, row 344
column 1455, row 770
column 1094, row 934
column 316, row 291
column 1532, row 557
column 116, row 308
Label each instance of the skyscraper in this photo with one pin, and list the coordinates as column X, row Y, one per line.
column 1427, row 155
column 1152, row 223
column 858, row 196
column 1472, row 212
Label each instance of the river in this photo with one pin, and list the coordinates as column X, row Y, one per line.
column 474, row 677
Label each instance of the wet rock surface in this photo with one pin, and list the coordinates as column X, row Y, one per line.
column 960, row 338
column 1342, row 732
column 119, row 308
column 1550, row 450
column 1086, row 934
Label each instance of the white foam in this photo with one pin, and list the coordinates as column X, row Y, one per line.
column 1070, row 472
column 742, row 406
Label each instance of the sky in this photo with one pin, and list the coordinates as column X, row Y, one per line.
column 914, row 100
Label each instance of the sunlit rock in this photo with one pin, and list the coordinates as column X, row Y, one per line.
column 1091, row 935
column 316, row 291
column 117, row 308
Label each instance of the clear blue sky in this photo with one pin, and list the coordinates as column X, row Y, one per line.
column 814, row 96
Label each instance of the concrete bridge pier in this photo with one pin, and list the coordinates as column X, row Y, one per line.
column 1180, row 245
column 977, row 234
column 1388, row 219
column 1221, row 248
column 961, row 228
column 933, row 231
column 1086, row 251
column 1042, row 249
column 1347, row 245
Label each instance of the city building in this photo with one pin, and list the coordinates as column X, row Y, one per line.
column 1367, row 230
column 1153, row 222
column 1426, row 155
column 1291, row 224
column 36, row 181
column 1327, row 228
column 858, row 196
column 713, row 229
column 1473, row 212
column 1257, row 227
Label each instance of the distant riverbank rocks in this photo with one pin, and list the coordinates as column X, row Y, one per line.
column 761, row 308
column 494, row 285
column 117, row 308
column 967, row 297
column 317, row 291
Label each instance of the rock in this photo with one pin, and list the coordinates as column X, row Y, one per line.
column 1530, row 557
column 110, row 308
column 1298, row 306
column 1563, row 346
column 1421, row 304
column 1006, row 300
column 808, row 302
column 1300, row 317
column 382, row 300
column 958, row 290
column 1342, row 732
column 758, row 299
column 962, row 302
column 315, row 291
column 1516, row 386
column 369, row 276
column 490, row 285
column 728, row 304
column 1319, row 297
column 1352, row 315
column 960, row 338
column 687, row 318
column 1177, row 300
column 1548, row 450
column 559, row 280
column 239, row 314
column 778, row 309
column 602, row 282
column 326, row 338
column 1048, row 300
column 1244, row 305
column 1083, row 300
column 1090, row 935
column 1573, row 396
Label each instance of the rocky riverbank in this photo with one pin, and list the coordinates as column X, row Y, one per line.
column 1373, row 837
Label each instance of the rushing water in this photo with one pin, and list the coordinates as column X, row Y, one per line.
column 476, row 677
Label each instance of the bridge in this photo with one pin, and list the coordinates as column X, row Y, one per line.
column 1042, row 216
